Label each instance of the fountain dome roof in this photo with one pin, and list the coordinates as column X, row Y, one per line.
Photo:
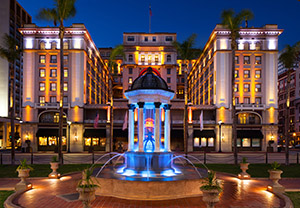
column 149, row 80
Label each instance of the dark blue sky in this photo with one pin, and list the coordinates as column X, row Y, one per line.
column 106, row 20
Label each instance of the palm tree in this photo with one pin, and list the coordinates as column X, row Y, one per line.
column 112, row 64
column 187, row 52
column 63, row 9
column 289, row 57
column 233, row 22
column 11, row 52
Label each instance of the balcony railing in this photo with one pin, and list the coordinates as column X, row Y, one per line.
column 50, row 105
column 250, row 106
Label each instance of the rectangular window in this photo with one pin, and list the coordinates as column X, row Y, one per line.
column 130, row 71
column 42, row 73
column 236, row 87
column 42, row 99
column 196, row 142
column 142, row 58
column 246, row 100
column 169, row 38
column 156, row 58
column 255, row 142
column 168, row 79
column 257, row 100
column 237, row 60
column 236, row 73
column 246, row 142
column 42, row 86
column 210, row 142
column 258, row 88
column 53, row 99
column 149, row 59
column 130, row 38
column 154, row 38
column 203, row 142
column 53, row 59
column 246, row 59
column 53, row 87
column 238, row 141
column 130, row 80
column 146, row 39
column 168, row 71
column 257, row 59
column 53, row 73
column 66, row 73
column 130, row 58
column 65, row 86
column 42, row 59
column 65, row 99
column 246, row 73
column 257, row 74
column 53, row 45
column 66, row 45
column 66, row 59
column 246, row 87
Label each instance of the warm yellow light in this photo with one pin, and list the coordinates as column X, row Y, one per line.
column 294, row 134
column 108, row 114
column 135, row 115
column 162, row 115
column 190, row 115
column 76, row 114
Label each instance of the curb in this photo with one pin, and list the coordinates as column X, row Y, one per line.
column 286, row 199
column 9, row 201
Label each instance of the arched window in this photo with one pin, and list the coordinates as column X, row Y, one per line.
column 246, row 46
column 53, row 45
column 130, row 58
column 168, row 58
column 42, row 45
column 66, row 45
column 258, row 46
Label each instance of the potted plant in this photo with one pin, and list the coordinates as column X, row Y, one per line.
column 275, row 175
column 244, row 167
column 211, row 189
column 86, row 188
column 23, row 170
column 54, row 166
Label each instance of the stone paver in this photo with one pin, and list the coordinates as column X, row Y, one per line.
column 236, row 194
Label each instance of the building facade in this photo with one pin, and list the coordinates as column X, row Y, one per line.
column 255, row 88
column 85, row 89
column 12, row 17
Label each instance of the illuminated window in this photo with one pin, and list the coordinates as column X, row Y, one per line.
column 237, row 60
column 130, row 38
column 42, row 100
column 66, row 59
column 246, row 73
column 130, row 58
column 257, row 100
column 168, row 71
column 246, row 87
column 56, row 117
column 257, row 59
column 66, row 73
column 156, row 58
column 149, row 59
column 168, row 58
column 52, row 86
column 53, row 99
column 203, row 142
column 53, row 59
column 257, row 87
column 130, row 71
column 42, row 73
column 42, row 45
column 42, row 86
column 236, row 73
column 246, row 59
column 169, row 38
column 210, row 142
column 42, row 59
column 243, row 118
column 255, row 142
column 196, row 142
column 168, row 79
column 246, row 142
column 53, row 73
column 236, row 87
column 65, row 87
column 43, row 141
column 142, row 58
column 246, row 100
column 258, row 46
column 246, row 46
column 257, row 73
column 237, row 100
column 66, row 45
column 130, row 80
column 53, row 45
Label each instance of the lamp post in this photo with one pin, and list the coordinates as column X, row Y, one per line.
column 220, row 133
column 69, row 132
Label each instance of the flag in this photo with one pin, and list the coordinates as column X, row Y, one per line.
column 201, row 120
column 125, row 123
column 150, row 11
column 96, row 121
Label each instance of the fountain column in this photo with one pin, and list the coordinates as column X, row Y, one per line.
column 167, row 127
column 131, row 127
column 141, row 126
column 157, row 126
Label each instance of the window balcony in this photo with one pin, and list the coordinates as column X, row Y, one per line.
column 50, row 105
column 252, row 106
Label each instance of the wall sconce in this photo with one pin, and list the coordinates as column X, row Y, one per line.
column 76, row 137
column 223, row 138
column 190, row 113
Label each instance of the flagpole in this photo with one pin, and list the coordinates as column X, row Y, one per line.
column 150, row 18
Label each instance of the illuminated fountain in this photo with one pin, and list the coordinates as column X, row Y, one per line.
column 149, row 171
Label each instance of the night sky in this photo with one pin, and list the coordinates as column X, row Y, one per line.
column 106, row 20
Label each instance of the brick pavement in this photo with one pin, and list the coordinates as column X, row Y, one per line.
column 236, row 194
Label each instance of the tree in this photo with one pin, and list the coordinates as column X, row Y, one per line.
column 11, row 52
column 187, row 52
column 289, row 57
column 233, row 22
column 112, row 64
column 63, row 10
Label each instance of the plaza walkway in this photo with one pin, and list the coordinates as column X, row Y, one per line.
column 237, row 194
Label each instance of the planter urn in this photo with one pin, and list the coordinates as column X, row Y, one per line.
column 275, row 176
column 86, row 195
column 23, row 185
column 54, row 167
column 210, row 197
column 244, row 174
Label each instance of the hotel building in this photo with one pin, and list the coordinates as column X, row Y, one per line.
column 85, row 89
column 12, row 17
column 255, row 88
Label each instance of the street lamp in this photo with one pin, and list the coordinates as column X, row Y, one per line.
column 220, row 133
column 69, row 132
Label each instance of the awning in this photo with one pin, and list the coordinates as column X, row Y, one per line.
column 249, row 134
column 121, row 133
column 204, row 133
column 43, row 132
column 177, row 134
column 94, row 133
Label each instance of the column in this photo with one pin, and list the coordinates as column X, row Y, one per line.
column 141, row 126
column 131, row 127
column 167, row 127
column 157, row 126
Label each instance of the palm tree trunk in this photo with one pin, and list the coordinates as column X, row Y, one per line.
column 61, row 104
column 233, row 110
column 12, row 115
column 185, row 115
column 111, row 114
column 287, row 120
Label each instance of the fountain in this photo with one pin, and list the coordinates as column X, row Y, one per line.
column 149, row 171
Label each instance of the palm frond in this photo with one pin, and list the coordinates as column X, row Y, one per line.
column 48, row 15
column 9, row 48
column 289, row 56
